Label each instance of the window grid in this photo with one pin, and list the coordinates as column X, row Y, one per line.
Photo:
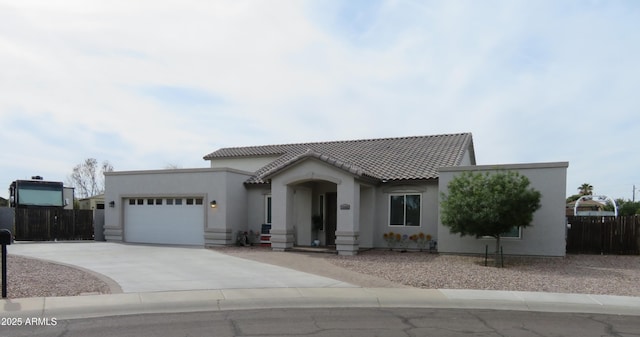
column 173, row 201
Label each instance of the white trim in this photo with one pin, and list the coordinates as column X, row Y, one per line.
column 510, row 238
column 524, row 166
column 172, row 171
column 404, row 225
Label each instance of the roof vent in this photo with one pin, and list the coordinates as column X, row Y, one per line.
column 37, row 178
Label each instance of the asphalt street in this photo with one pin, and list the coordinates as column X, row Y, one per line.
column 326, row 322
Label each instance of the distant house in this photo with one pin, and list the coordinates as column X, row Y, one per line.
column 94, row 202
column 584, row 206
column 359, row 189
column 592, row 205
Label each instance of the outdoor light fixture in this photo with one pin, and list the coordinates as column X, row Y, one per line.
column 214, row 204
column 112, row 204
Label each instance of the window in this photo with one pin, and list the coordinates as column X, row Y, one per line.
column 178, row 201
column 38, row 193
column 514, row 233
column 140, row 201
column 199, row 201
column 404, row 210
column 267, row 209
column 189, row 201
column 170, row 201
column 132, row 201
column 158, row 201
column 149, row 201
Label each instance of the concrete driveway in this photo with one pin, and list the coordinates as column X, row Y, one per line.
column 147, row 268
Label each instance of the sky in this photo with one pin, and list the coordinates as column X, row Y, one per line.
column 154, row 84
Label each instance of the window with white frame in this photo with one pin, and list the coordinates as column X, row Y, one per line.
column 514, row 233
column 405, row 210
column 267, row 209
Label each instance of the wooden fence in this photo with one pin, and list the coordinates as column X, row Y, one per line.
column 47, row 224
column 603, row 235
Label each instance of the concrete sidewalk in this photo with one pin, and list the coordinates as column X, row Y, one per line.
column 266, row 298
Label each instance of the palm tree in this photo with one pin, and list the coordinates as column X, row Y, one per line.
column 585, row 189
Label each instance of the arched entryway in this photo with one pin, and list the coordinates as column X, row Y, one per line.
column 313, row 210
column 295, row 197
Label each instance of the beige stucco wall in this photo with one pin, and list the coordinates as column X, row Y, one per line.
column 293, row 195
column 91, row 203
column 468, row 158
column 249, row 164
column 428, row 191
column 225, row 186
column 256, row 206
column 545, row 236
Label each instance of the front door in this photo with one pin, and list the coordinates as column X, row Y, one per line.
column 331, row 220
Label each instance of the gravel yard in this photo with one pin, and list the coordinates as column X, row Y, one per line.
column 36, row 278
column 587, row 274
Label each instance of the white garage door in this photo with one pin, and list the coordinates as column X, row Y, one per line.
column 178, row 221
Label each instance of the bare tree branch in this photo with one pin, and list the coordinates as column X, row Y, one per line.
column 87, row 180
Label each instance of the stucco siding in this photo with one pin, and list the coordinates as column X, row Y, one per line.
column 467, row 159
column 545, row 236
column 428, row 192
column 222, row 185
column 235, row 196
column 249, row 164
column 367, row 216
column 256, row 207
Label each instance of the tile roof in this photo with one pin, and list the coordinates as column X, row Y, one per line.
column 405, row 158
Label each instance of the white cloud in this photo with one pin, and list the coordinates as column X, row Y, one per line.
column 533, row 81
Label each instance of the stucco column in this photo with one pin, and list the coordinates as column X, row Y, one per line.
column 348, row 226
column 282, row 216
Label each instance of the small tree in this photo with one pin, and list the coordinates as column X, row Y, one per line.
column 488, row 204
column 625, row 207
column 88, row 177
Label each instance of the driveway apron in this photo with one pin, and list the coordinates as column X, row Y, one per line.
column 148, row 268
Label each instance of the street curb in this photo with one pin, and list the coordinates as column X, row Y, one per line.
column 78, row 307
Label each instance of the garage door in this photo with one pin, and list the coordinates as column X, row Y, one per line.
column 168, row 220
